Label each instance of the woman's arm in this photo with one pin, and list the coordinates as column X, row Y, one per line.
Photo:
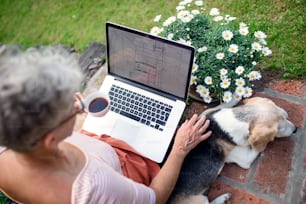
column 188, row 136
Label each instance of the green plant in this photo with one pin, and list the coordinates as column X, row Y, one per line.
column 4, row 199
column 226, row 52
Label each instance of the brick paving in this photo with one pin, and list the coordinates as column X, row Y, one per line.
column 278, row 175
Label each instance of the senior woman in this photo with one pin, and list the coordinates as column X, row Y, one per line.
column 43, row 161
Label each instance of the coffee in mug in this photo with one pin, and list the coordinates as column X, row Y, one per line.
column 97, row 104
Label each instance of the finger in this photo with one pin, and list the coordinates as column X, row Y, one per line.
column 79, row 95
column 192, row 120
column 196, row 128
column 200, row 123
column 205, row 136
column 204, row 127
column 78, row 101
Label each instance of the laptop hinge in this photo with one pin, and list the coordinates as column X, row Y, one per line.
column 171, row 97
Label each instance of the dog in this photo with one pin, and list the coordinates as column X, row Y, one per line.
column 239, row 134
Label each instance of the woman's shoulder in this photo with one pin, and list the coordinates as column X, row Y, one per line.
column 95, row 149
column 89, row 144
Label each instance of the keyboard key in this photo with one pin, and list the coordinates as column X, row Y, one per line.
column 160, row 122
column 130, row 115
column 156, row 126
column 168, row 110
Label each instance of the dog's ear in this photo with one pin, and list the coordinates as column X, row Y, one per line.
column 261, row 135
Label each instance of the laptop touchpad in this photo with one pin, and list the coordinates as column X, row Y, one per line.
column 125, row 131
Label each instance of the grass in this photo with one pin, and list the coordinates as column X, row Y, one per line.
column 4, row 199
column 77, row 23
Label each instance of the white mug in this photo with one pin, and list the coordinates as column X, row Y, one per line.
column 97, row 104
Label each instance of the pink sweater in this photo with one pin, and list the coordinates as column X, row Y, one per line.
column 101, row 179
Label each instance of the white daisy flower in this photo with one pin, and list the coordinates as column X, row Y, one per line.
column 225, row 83
column 208, row 80
column 156, row 30
column 227, row 97
column 240, row 82
column 242, row 25
column 218, row 18
column 179, row 8
column 207, row 99
column 187, row 18
column 260, row 35
column 157, row 18
column 183, row 3
column 198, row 3
column 194, row 67
column 223, row 72
column 256, row 46
column 214, row 12
column 262, row 41
column 182, row 14
column 202, row 90
column 202, row 49
column 193, row 80
column 195, row 12
column 266, row 51
column 247, row 92
column 237, row 97
column 254, row 75
column 227, row 35
column 239, row 70
column 220, row 55
column 170, row 36
column 239, row 90
column 244, row 31
column 223, row 77
column 184, row 41
column 233, row 48
column 254, row 63
column 258, row 75
column 170, row 20
column 229, row 18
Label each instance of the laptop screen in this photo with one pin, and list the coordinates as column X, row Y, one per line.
column 149, row 60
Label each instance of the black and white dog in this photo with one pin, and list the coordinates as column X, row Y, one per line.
column 239, row 134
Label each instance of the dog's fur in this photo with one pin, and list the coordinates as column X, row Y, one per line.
column 239, row 134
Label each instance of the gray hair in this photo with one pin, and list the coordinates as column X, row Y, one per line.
column 36, row 93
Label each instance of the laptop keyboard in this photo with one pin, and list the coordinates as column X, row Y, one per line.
column 143, row 109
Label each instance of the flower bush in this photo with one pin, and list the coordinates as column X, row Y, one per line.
column 226, row 51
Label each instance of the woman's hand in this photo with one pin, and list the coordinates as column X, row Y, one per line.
column 79, row 101
column 190, row 134
column 79, row 105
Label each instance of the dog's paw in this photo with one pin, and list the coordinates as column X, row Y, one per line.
column 223, row 199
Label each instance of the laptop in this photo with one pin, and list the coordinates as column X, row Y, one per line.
column 148, row 82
